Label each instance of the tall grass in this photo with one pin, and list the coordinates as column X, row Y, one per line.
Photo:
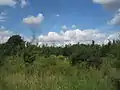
column 51, row 74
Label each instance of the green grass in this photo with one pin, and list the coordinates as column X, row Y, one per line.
column 51, row 74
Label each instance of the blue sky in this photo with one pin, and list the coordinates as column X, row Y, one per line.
column 85, row 14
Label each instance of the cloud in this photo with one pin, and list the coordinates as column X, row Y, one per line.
column 64, row 27
column 75, row 36
column 112, row 4
column 3, row 16
column 57, row 15
column 23, row 3
column 3, row 13
column 106, row 1
column 4, row 34
column 34, row 20
column 12, row 3
column 116, row 19
column 114, row 36
column 7, row 3
column 52, row 36
column 74, row 26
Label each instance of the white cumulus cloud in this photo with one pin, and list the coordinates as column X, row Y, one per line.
column 34, row 20
column 7, row 2
column 12, row 3
column 75, row 36
column 106, row 1
column 23, row 3
column 4, row 34
column 111, row 4
column 116, row 19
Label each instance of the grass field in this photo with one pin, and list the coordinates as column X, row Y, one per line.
column 53, row 74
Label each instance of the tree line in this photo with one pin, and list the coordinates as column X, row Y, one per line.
column 77, row 53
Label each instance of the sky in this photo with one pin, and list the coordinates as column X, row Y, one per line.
column 60, row 21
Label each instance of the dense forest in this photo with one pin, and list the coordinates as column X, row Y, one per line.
column 24, row 66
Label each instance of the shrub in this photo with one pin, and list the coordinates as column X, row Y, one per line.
column 29, row 57
column 60, row 57
column 94, row 62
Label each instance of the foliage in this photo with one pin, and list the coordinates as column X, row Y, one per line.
column 72, row 67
